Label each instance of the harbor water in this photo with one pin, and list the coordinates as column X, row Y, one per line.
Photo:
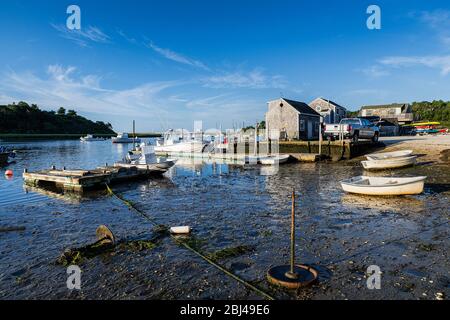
column 227, row 207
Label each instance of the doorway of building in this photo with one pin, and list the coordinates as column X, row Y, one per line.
column 309, row 125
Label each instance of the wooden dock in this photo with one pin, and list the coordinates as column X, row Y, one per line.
column 82, row 180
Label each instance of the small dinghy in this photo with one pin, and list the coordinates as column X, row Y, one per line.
column 389, row 155
column 390, row 163
column 384, row 186
column 273, row 160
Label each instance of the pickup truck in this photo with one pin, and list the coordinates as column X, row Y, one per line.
column 353, row 128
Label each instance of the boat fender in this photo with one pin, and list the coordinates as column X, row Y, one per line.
column 9, row 173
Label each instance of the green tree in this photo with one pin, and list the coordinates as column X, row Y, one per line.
column 71, row 113
column 61, row 111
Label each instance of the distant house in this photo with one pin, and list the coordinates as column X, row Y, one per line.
column 294, row 120
column 397, row 113
column 329, row 110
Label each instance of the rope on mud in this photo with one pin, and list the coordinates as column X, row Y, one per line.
column 190, row 248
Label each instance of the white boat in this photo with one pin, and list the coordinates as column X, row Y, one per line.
column 273, row 160
column 389, row 155
column 124, row 138
column 384, row 186
column 147, row 159
column 90, row 138
column 391, row 163
column 179, row 142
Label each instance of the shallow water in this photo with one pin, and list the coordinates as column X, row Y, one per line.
column 226, row 206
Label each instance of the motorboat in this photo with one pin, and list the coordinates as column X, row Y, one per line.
column 90, row 138
column 384, row 186
column 124, row 138
column 389, row 155
column 390, row 163
column 180, row 142
column 146, row 158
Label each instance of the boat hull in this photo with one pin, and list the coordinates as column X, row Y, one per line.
column 392, row 163
column 273, row 160
column 381, row 187
column 389, row 155
column 188, row 147
column 152, row 167
column 126, row 140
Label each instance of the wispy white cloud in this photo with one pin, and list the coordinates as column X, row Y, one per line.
column 438, row 62
column 365, row 93
column 374, row 71
column 438, row 19
column 126, row 37
column 64, row 87
column 154, row 103
column 177, row 57
column 255, row 79
column 84, row 36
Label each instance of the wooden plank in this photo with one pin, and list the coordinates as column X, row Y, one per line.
column 70, row 172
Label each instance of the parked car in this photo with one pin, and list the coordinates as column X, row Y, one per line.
column 353, row 128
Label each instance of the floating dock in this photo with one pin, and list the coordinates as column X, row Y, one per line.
column 82, row 180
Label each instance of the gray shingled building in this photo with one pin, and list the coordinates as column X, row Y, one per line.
column 294, row 120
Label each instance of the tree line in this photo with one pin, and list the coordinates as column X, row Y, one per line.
column 22, row 118
column 437, row 110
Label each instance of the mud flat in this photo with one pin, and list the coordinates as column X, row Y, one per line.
column 429, row 147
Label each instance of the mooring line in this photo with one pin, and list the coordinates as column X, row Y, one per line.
column 193, row 250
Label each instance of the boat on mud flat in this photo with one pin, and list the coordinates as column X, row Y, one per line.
column 384, row 186
column 389, row 155
column 124, row 138
column 90, row 138
column 391, row 163
column 273, row 160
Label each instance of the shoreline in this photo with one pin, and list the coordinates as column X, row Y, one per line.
column 64, row 136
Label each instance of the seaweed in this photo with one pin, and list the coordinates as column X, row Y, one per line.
column 230, row 252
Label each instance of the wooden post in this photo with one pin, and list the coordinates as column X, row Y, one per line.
column 293, row 232
column 320, row 137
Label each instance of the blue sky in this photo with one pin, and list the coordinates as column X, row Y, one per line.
column 168, row 63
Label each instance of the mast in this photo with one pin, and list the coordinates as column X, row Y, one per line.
column 256, row 139
column 134, row 135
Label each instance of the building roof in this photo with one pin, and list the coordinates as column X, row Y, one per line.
column 301, row 107
column 386, row 106
column 330, row 102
